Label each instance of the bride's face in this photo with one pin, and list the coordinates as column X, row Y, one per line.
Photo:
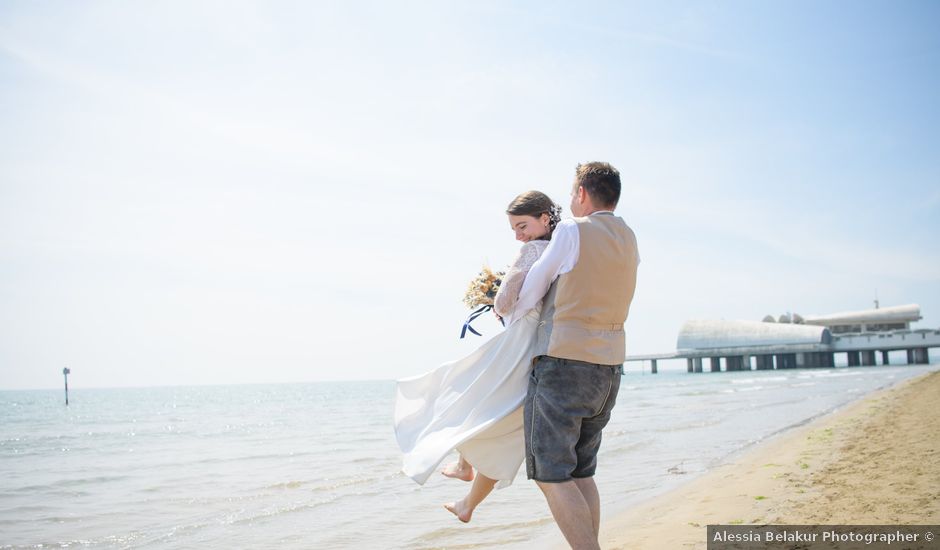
column 528, row 228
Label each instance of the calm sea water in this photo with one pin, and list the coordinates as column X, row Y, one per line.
column 316, row 465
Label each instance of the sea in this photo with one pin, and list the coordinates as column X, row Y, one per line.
column 316, row 465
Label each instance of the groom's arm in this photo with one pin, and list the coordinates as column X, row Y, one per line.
column 559, row 258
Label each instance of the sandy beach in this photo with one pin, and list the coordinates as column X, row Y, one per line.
column 875, row 461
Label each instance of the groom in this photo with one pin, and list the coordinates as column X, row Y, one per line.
column 587, row 276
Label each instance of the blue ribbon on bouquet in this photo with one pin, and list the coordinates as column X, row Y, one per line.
column 472, row 317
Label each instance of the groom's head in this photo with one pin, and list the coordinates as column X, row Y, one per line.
column 596, row 187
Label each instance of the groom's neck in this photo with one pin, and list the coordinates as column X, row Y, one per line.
column 593, row 210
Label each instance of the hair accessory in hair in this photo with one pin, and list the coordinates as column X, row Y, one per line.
column 554, row 216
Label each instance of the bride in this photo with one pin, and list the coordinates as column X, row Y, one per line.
column 474, row 404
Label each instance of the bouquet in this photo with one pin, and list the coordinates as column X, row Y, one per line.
column 480, row 294
column 482, row 290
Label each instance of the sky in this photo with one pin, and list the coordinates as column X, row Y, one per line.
column 266, row 192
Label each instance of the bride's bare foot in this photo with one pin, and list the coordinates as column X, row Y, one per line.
column 460, row 510
column 457, row 470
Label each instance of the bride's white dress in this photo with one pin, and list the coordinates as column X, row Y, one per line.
column 474, row 404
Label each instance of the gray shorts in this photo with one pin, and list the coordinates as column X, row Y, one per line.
column 567, row 405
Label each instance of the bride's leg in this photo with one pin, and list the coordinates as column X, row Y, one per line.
column 459, row 470
column 463, row 509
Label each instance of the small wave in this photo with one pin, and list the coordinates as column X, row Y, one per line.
column 287, row 485
column 366, row 460
column 745, row 388
column 251, row 458
column 505, row 530
column 352, row 482
column 359, row 440
column 772, row 404
column 66, row 483
column 296, row 507
column 90, row 480
column 121, row 540
column 832, row 374
column 327, row 484
column 690, row 426
column 61, row 519
column 696, row 393
column 17, row 511
column 626, row 449
column 761, row 379
column 278, row 511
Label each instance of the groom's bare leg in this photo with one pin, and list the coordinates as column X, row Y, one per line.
column 589, row 490
column 572, row 513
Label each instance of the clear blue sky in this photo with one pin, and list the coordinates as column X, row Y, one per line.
column 214, row 192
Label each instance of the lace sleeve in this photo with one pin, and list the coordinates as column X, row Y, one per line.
column 512, row 283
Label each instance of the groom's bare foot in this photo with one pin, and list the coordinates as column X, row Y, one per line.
column 460, row 510
column 455, row 471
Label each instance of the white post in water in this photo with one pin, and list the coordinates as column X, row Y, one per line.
column 65, row 372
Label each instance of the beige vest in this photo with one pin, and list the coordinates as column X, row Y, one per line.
column 584, row 310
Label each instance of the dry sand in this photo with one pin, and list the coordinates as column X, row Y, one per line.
column 876, row 461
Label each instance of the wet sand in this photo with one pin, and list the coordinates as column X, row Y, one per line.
column 875, row 461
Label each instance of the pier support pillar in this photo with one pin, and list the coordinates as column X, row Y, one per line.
column 809, row 360
column 853, row 358
column 716, row 364
column 786, row 361
column 765, row 362
column 746, row 362
column 884, row 358
column 921, row 356
column 689, row 367
column 697, row 364
column 868, row 358
column 653, row 366
column 829, row 359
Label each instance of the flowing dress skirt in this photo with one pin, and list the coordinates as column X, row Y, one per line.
column 473, row 404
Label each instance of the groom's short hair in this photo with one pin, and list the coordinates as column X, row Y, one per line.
column 601, row 181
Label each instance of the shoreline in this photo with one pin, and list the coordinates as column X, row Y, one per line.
column 873, row 460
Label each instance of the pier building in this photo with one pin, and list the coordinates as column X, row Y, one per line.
column 871, row 320
column 865, row 337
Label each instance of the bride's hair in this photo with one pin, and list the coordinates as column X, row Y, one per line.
column 536, row 203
